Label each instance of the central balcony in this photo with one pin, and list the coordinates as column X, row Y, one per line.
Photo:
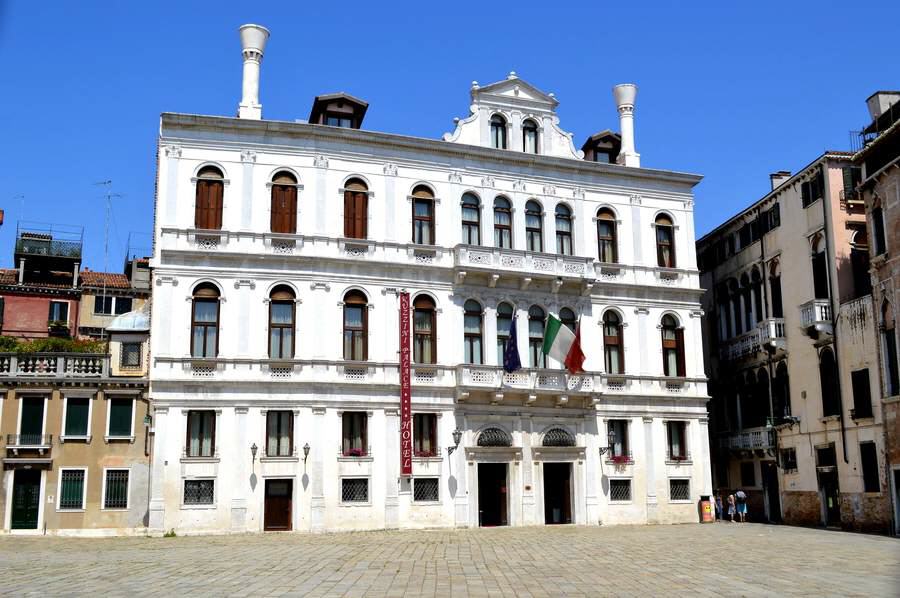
column 749, row 439
column 522, row 266
column 815, row 317
column 768, row 334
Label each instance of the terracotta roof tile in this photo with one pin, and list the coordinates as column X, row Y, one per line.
column 8, row 276
column 112, row 280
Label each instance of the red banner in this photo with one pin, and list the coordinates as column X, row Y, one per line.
column 406, row 441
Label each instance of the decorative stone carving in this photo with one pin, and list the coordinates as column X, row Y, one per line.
column 549, row 190
column 173, row 151
column 248, row 156
column 320, row 161
column 454, row 177
column 320, row 285
column 519, row 185
column 578, row 193
column 245, row 282
column 635, row 199
column 390, row 169
column 488, row 181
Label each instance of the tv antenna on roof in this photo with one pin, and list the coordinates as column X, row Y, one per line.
column 109, row 197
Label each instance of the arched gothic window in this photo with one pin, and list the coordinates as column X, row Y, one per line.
column 502, row 223
column 356, row 206
column 284, row 203
column 613, row 346
column 208, row 199
column 536, row 322
column 665, row 242
column 423, row 216
column 529, row 136
column 205, row 321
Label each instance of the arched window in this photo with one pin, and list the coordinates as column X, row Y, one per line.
column 356, row 326
column 563, row 230
column 498, row 132
column 534, row 234
column 529, row 136
column 536, row 337
column 472, row 332
column 889, row 342
column 607, row 243
column 831, row 398
column 756, row 289
column 424, row 330
column 761, row 404
column 208, row 199
column 665, row 242
column 356, row 206
column 747, row 301
column 205, row 321
column 568, row 319
column 672, row 347
column 281, row 322
column 504, row 323
column 284, row 203
column 781, row 391
column 493, row 437
column 558, row 437
column 423, row 216
column 471, row 220
column 502, row 223
column 820, row 269
column 613, row 347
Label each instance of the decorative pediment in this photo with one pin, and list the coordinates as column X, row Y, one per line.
column 514, row 91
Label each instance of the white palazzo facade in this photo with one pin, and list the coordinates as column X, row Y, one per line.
column 281, row 249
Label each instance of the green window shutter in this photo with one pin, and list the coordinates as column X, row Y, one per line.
column 32, row 416
column 847, row 173
column 77, row 416
column 71, row 493
column 120, row 415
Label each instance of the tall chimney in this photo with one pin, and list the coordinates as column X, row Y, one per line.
column 253, row 43
column 777, row 178
column 624, row 95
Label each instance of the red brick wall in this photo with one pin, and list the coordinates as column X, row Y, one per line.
column 801, row 508
column 26, row 315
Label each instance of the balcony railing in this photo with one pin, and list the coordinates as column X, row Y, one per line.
column 54, row 365
column 29, row 440
column 852, row 201
column 769, row 332
column 524, row 262
column 750, row 439
column 675, row 458
column 816, row 315
column 556, row 381
column 49, row 240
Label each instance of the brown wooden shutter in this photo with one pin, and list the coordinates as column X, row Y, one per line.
column 360, row 214
column 215, row 204
column 622, row 369
column 290, row 209
column 276, row 209
column 200, row 204
column 662, row 343
column 679, row 349
column 348, row 214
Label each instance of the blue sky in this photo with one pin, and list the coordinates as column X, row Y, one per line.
column 730, row 90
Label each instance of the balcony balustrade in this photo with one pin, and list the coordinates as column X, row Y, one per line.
column 28, row 442
column 768, row 333
column 815, row 317
column 54, row 365
column 749, row 439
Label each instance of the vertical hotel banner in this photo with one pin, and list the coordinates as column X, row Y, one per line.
column 406, row 448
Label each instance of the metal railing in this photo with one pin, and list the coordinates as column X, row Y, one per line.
column 28, row 440
column 49, row 239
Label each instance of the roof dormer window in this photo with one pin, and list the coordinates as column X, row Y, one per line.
column 338, row 120
column 498, row 132
column 529, row 137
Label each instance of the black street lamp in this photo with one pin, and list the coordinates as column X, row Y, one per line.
column 457, row 436
column 610, row 442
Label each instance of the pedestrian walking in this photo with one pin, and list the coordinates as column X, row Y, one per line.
column 731, row 508
column 719, row 514
column 741, row 497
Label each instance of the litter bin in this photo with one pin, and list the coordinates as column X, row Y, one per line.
column 706, row 509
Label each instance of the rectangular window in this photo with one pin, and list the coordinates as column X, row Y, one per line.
column 77, row 413
column 777, row 307
column 355, row 441
column 201, row 430
column 426, row 490
column 425, row 434
column 619, row 428
column 878, row 228
column 115, row 490
column 103, row 304
column 199, row 492
column 121, row 417
column 868, row 456
column 355, row 490
column 31, row 425
column 130, row 356
column 677, row 441
column 59, row 311
column 862, row 395
column 748, row 474
column 620, row 490
column 679, row 489
column 123, row 305
column 71, row 489
column 279, row 433
column 788, row 459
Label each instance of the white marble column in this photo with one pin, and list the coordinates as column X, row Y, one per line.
column 529, row 514
column 650, row 472
column 318, row 451
column 157, row 520
column 392, row 470
column 242, row 478
column 592, row 466
column 248, row 159
column 461, row 471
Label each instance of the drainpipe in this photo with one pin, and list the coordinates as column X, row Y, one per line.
column 835, row 314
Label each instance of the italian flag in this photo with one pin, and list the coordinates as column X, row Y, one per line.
column 563, row 345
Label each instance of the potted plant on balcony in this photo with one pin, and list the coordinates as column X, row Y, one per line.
column 355, row 452
column 58, row 328
column 621, row 459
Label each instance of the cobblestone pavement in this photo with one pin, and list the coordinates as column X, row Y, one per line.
column 721, row 559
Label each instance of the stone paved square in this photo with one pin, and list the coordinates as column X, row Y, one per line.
column 722, row 559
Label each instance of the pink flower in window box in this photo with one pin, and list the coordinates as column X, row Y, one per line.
column 355, row 452
column 620, row 459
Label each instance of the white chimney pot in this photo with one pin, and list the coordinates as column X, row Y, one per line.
column 624, row 95
column 253, row 44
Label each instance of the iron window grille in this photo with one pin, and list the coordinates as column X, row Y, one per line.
column 558, row 437
column 116, row 495
column 71, row 489
column 679, row 489
column 426, row 489
column 131, row 355
column 494, row 437
column 199, row 492
column 355, row 490
column 620, row 490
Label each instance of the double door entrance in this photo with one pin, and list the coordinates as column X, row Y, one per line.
column 494, row 493
column 26, row 499
column 278, row 505
column 557, row 493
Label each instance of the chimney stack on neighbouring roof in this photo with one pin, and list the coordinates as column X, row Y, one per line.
column 624, row 95
column 779, row 177
column 253, row 44
column 880, row 102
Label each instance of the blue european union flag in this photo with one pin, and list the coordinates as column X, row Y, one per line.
column 511, row 361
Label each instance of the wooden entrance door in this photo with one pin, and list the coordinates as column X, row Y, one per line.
column 773, row 496
column 493, row 497
column 26, row 499
column 278, row 509
column 828, row 483
column 557, row 493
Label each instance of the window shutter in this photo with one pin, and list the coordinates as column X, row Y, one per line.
column 277, row 209
column 359, row 214
column 215, row 204
column 348, row 214
column 679, row 342
column 804, row 193
column 662, row 343
column 120, row 416
column 291, row 209
column 622, row 369
column 847, row 173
